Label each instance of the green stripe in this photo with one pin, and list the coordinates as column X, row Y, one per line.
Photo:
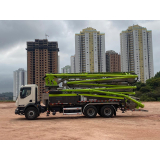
column 61, row 95
column 100, row 85
column 91, row 95
column 125, row 87
column 92, row 75
column 96, row 80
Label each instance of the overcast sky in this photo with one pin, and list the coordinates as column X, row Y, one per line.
column 15, row 34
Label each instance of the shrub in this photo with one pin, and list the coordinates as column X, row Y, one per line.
column 145, row 89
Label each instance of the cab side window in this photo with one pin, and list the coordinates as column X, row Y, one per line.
column 25, row 92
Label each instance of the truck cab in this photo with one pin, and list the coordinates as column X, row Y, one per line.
column 27, row 95
column 27, row 101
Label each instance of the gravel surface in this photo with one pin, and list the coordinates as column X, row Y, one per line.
column 125, row 126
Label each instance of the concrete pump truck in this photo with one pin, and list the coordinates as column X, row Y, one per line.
column 81, row 93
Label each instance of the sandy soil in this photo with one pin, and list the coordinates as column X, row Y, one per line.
column 125, row 126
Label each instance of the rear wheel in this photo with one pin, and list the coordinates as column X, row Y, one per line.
column 90, row 111
column 107, row 111
column 31, row 113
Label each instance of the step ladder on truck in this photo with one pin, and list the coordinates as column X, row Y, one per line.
column 81, row 93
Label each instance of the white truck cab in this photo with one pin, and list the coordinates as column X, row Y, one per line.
column 28, row 94
column 27, row 102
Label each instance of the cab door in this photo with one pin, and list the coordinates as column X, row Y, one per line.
column 26, row 96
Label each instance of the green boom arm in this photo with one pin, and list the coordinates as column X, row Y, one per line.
column 110, row 85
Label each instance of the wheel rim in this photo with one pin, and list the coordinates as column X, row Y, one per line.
column 107, row 111
column 90, row 112
column 31, row 114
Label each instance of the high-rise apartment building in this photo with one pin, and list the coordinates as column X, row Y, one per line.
column 113, row 62
column 58, row 64
column 66, row 69
column 137, row 52
column 42, row 58
column 73, row 67
column 19, row 79
column 90, row 51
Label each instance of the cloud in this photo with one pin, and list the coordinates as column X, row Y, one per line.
column 6, row 84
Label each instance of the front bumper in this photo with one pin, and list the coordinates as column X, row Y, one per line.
column 19, row 110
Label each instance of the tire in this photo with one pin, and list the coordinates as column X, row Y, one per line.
column 90, row 111
column 107, row 111
column 31, row 113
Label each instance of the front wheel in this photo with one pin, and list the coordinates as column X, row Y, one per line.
column 107, row 111
column 90, row 111
column 31, row 113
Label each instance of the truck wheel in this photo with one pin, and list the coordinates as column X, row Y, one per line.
column 107, row 111
column 90, row 111
column 31, row 113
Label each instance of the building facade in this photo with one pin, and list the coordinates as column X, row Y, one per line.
column 66, row 69
column 73, row 67
column 113, row 61
column 90, row 51
column 42, row 58
column 137, row 52
column 58, row 64
column 19, row 79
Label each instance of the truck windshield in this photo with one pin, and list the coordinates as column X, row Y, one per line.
column 25, row 92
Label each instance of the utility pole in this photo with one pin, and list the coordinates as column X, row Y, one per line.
column 46, row 36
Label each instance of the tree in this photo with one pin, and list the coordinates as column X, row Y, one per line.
column 143, row 97
column 145, row 89
column 157, row 75
column 153, row 82
column 139, row 85
column 138, row 94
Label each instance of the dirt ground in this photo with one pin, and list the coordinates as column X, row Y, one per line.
column 125, row 126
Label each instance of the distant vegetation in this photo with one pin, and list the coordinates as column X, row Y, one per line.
column 7, row 96
column 149, row 91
